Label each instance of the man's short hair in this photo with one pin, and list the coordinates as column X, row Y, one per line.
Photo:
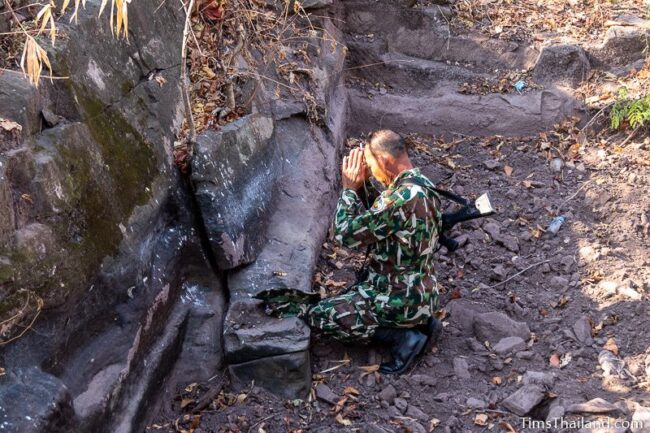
column 387, row 141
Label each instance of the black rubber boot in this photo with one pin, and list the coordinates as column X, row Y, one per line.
column 405, row 344
column 432, row 330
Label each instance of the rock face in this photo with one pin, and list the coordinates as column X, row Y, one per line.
column 234, row 173
column 95, row 223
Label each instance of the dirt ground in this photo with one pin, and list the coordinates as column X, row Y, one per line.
column 579, row 291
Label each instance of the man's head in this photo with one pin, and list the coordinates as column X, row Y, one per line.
column 386, row 156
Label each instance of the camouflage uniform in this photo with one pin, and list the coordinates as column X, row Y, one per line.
column 400, row 289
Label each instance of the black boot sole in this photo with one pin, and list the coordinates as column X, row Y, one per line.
column 409, row 361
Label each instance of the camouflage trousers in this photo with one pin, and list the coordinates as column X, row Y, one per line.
column 351, row 316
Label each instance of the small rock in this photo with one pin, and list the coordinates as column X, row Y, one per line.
column 388, row 394
column 499, row 273
column 51, row 119
column 511, row 243
column 588, row 254
column 492, row 229
column 494, row 326
column 394, row 412
column 473, row 344
column 524, row 399
column 374, row 428
column 414, row 426
column 525, row 354
column 491, row 164
column 538, row 378
column 555, row 412
column 315, row 4
column 416, row 413
column 423, row 379
column 582, row 330
column 559, row 282
column 401, row 404
column 608, row 287
column 475, row 403
column 556, row 165
column 461, row 368
column 324, row 393
column 596, row 406
column 611, row 364
column 509, row 344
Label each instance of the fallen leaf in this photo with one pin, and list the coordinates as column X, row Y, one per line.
column 497, row 380
column 340, row 404
column 508, row 170
column 435, row 422
column 260, row 429
column 481, row 419
column 611, row 346
column 339, row 419
column 554, row 361
column 185, row 402
column 369, row 369
column 9, row 125
column 507, row 427
column 351, row 390
column 191, row 386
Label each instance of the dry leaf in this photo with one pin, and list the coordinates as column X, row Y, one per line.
column 435, row 422
column 508, row 170
column 497, row 380
column 507, row 427
column 481, row 419
column 611, row 346
column 260, row 429
column 554, row 361
column 9, row 125
column 351, row 390
column 185, row 402
column 339, row 419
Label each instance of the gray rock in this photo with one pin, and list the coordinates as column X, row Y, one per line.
column 32, row 401
column 594, row 406
column 508, row 345
column 511, row 243
column 524, row 399
column 461, row 368
column 315, row 4
column 250, row 334
column 494, row 326
column 51, row 119
column 288, row 376
column 555, row 412
column 493, row 229
column 323, row 392
column 559, row 282
column 622, row 46
column 491, row 164
column 388, row 394
column 401, row 404
column 475, row 403
column 374, row 428
column 234, row 172
column 561, row 64
column 538, row 378
column 414, row 426
column 423, row 380
column 416, row 413
column 499, row 273
column 582, row 330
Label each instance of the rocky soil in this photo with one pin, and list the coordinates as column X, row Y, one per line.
column 538, row 325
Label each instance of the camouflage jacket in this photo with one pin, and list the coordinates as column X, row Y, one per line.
column 401, row 228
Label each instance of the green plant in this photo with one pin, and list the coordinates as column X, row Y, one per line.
column 632, row 111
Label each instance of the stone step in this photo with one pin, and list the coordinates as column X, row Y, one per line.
column 440, row 112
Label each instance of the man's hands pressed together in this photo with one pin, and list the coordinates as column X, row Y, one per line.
column 354, row 170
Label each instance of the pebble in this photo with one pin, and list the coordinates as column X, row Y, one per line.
column 401, row 404
column 324, row 393
column 416, row 413
column 374, row 428
column 423, row 379
column 524, row 399
column 526, row 354
column 538, row 378
column 461, row 368
column 559, row 282
column 499, row 273
column 582, row 330
column 555, row 412
column 595, row 406
column 388, row 394
column 556, row 165
column 508, row 345
column 491, row 164
column 475, row 403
